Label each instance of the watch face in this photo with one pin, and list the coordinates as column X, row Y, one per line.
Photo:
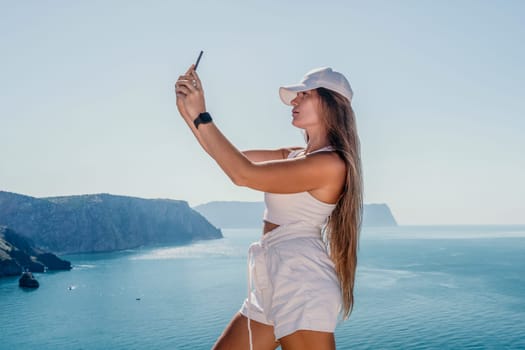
column 205, row 117
column 202, row 119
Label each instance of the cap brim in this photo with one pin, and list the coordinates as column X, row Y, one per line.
column 289, row 92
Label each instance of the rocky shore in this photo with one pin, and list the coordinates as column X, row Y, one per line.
column 18, row 253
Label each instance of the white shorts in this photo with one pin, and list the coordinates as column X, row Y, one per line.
column 295, row 286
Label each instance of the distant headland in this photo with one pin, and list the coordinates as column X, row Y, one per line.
column 102, row 222
column 236, row 214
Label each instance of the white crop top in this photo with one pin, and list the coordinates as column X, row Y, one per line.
column 286, row 208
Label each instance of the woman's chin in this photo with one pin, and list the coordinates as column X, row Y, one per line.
column 298, row 124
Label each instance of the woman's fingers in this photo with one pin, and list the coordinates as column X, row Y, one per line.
column 195, row 76
column 190, row 78
column 192, row 75
column 190, row 97
column 179, row 87
column 182, row 90
column 190, row 85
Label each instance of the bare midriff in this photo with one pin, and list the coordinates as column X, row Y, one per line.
column 268, row 226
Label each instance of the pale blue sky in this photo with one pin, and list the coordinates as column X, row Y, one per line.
column 87, row 103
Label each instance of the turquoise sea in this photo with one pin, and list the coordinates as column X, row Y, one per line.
column 417, row 287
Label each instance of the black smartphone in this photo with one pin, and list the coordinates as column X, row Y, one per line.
column 198, row 60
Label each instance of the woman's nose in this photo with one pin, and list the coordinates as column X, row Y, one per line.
column 295, row 101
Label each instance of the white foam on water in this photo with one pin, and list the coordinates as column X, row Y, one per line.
column 372, row 277
column 196, row 250
column 83, row 266
column 448, row 285
column 383, row 278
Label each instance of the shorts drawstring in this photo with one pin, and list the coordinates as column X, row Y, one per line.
column 250, row 262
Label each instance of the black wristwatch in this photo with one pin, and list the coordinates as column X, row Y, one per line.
column 203, row 118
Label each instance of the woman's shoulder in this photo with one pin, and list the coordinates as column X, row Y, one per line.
column 329, row 157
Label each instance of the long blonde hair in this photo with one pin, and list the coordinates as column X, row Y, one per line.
column 343, row 227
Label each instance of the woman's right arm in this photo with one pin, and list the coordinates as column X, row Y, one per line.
column 262, row 155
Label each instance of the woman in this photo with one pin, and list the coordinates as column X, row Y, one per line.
column 302, row 271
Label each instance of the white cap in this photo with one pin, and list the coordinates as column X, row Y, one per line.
column 319, row 77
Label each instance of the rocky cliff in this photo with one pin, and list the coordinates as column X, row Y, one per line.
column 102, row 222
column 18, row 253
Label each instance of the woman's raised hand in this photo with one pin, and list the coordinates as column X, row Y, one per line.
column 190, row 95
